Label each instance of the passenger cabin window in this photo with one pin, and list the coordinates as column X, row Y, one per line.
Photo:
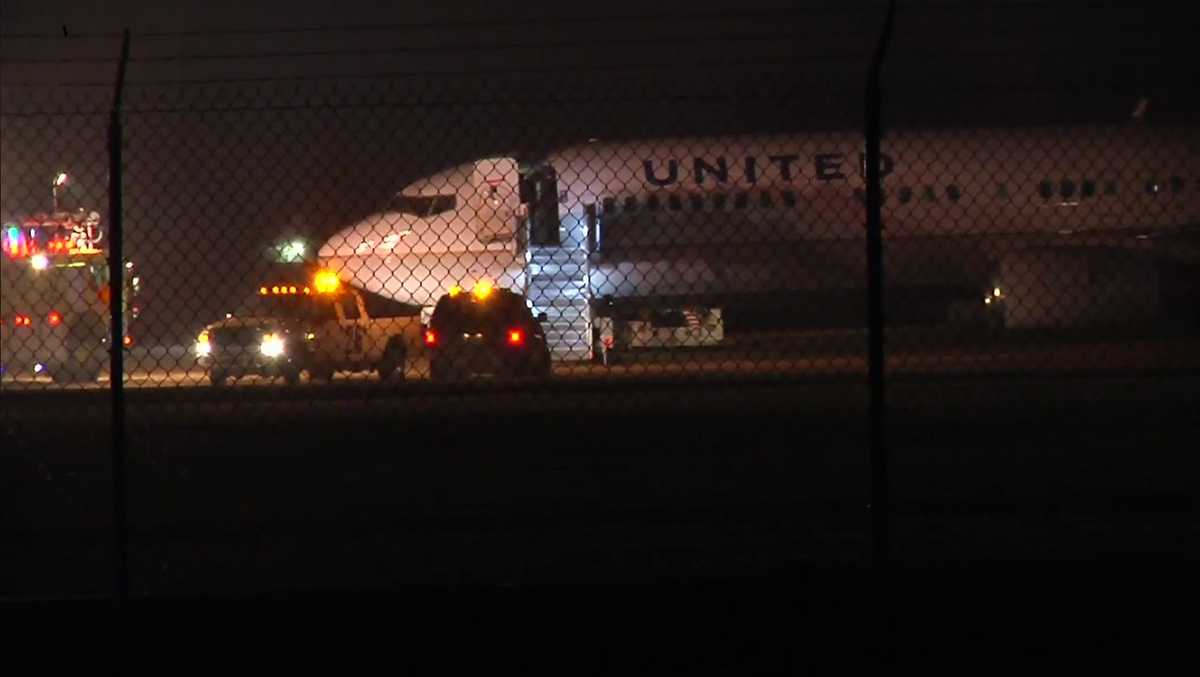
column 789, row 198
column 741, row 200
column 1067, row 189
column 696, row 200
column 766, row 201
column 653, row 203
column 609, row 205
column 719, row 200
column 930, row 195
column 906, row 194
column 1046, row 189
column 953, row 193
column 675, row 203
column 631, row 204
column 1088, row 189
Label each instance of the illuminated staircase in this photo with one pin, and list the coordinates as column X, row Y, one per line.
column 558, row 286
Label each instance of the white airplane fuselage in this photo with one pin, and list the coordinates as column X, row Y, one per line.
column 737, row 215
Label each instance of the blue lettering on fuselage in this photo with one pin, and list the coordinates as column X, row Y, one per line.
column 717, row 170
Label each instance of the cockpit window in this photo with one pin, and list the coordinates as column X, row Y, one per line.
column 425, row 205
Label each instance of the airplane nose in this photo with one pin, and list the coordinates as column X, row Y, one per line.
column 338, row 245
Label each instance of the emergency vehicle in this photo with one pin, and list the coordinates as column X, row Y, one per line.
column 319, row 327
column 54, row 309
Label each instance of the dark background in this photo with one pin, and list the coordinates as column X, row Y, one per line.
column 1053, row 514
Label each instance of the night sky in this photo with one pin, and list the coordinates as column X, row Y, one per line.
column 306, row 131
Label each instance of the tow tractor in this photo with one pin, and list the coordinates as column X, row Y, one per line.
column 54, row 309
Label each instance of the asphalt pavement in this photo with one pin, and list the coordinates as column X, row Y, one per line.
column 742, row 474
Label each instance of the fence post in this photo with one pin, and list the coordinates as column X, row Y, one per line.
column 880, row 494
column 116, row 287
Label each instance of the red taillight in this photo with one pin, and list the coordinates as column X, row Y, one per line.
column 54, row 318
column 516, row 337
column 430, row 338
column 22, row 321
column 128, row 341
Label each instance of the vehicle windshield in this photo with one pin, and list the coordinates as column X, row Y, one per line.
column 291, row 307
column 425, row 205
column 81, row 275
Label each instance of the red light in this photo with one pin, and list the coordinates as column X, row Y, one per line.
column 430, row 338
column 54, row 318
column 516, row 337
column 128, row 341
column 22, row 321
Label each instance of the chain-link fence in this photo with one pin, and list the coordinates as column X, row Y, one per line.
column 361, row 253
column 473, row 233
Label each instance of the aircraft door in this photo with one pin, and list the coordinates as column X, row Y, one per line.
column 541, row 194
column 495, row 205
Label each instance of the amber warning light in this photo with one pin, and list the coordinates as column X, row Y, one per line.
column 283, row 290
column 326, row 282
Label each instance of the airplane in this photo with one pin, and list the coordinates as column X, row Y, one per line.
column 1060, row 227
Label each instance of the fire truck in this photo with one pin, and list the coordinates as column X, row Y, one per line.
column 54, row 307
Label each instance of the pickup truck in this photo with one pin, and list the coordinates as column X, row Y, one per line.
column 287, row 330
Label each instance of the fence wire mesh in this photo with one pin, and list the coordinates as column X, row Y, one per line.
column 670, row 226
column 464, row 233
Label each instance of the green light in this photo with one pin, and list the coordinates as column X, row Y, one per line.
column 291, row 252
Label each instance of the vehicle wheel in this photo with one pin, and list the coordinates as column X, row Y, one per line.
column 74, row 373
column 217, row 377
column 291, row 376
column 321, row 373
column 85, row 367
column 88, row 356
column 440, row 372
column 391, row 366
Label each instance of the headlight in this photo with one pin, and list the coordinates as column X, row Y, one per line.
column 203, row 347
column 39, row 262
column 272, row 345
